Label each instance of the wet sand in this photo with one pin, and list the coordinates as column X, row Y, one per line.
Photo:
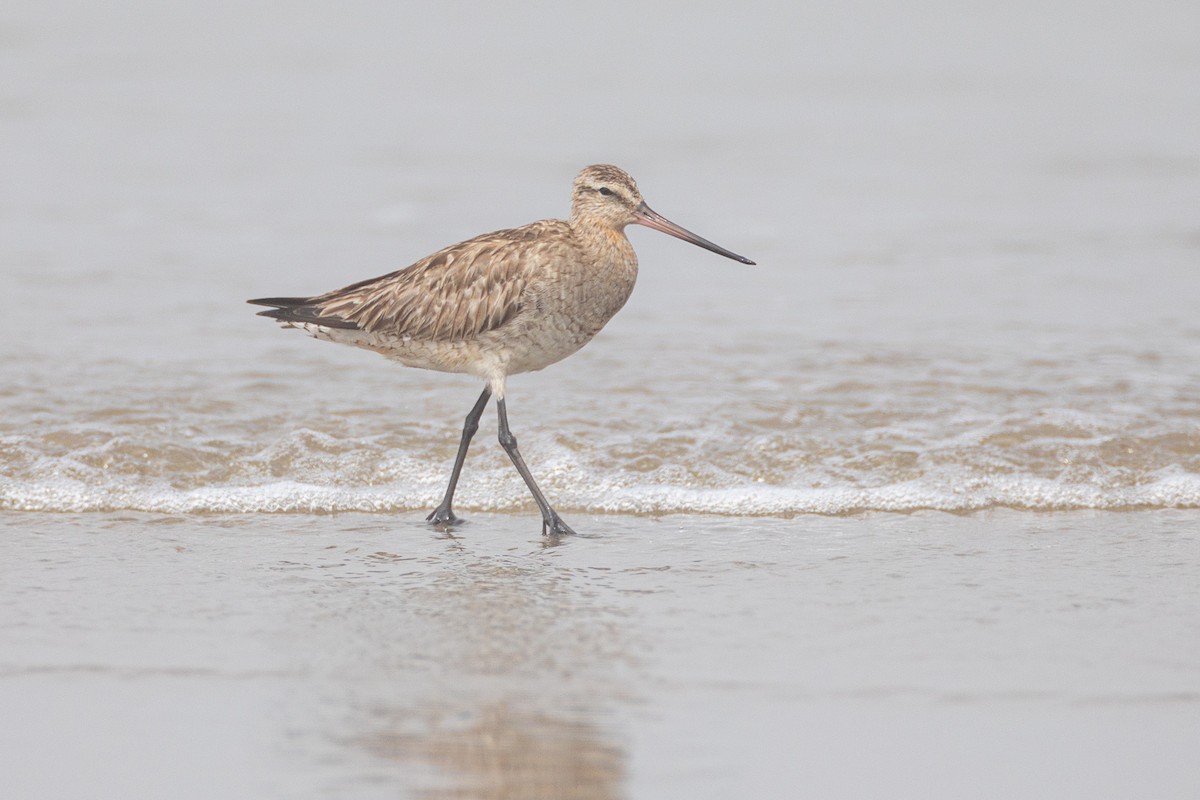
column 998, row 654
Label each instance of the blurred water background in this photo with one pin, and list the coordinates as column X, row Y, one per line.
column 977, row 238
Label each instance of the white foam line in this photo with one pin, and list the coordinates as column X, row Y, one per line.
column 1174, row 490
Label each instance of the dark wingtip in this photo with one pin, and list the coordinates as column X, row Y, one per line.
column 280, row 302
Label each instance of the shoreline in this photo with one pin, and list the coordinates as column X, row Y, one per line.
column 291, row 655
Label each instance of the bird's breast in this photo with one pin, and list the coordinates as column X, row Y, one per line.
column 564, row 312
column 595, row 289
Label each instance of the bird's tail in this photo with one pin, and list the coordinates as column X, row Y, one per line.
column 299, row 310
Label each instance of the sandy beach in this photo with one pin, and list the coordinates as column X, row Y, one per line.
column 357, row 655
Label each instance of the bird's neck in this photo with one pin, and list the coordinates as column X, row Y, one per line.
column 605, row 241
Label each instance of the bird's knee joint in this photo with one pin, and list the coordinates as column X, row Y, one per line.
column 508, row 441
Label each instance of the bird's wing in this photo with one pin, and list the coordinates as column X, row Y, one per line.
column 455, row 294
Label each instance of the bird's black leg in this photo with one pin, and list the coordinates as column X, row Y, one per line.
column 443, row 515
column 552, row 524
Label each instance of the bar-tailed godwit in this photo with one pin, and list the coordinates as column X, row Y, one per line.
column 500, row 304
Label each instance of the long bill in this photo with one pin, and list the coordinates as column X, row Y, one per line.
column 644, row 215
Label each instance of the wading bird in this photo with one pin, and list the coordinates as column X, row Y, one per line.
column 500, row 304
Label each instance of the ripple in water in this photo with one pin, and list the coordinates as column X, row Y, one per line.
column 828, row 433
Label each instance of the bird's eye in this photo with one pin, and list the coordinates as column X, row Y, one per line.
column 604, row 190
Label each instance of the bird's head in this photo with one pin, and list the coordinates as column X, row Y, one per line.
column 608, row 197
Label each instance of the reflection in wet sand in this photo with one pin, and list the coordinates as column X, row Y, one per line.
column 499, row 664
column 504, row 754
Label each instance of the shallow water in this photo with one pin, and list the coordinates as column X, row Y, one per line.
column 979, row 265
column 828, row 432
column 970, row 295
column 684, row 656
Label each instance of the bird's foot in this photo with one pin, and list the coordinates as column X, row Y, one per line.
column 443, row 517
column 554, row 526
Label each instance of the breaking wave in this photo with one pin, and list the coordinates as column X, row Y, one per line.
column 769, row 471
column 829, row 432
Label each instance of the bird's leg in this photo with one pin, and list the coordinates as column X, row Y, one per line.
column 443, row 515
column 552, row 524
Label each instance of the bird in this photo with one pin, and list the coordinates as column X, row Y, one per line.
column 499, row 304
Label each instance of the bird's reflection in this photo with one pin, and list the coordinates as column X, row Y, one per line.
column 502, row 753
column 493, row 667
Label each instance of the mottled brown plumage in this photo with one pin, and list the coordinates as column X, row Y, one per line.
column 499, row 304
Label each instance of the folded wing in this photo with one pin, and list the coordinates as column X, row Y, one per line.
column 453, row 295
